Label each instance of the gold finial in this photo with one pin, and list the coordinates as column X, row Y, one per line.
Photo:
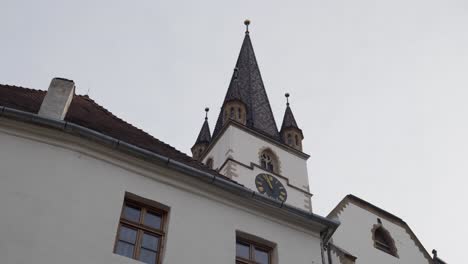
column 247, row 23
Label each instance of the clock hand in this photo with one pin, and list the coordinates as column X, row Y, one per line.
column 269, row 183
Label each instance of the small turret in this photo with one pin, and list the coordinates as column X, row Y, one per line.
column 234, row 108
column 291, row 134
column 203, row 139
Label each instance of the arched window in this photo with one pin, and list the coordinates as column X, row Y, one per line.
column 232, row 113
column 289, row 139
column 239, row 114
column 268, row 161
column 383, row 240
column 209, row 163
column 200, row 151
column 297, row 140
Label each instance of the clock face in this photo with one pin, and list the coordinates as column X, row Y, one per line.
column 269, row 185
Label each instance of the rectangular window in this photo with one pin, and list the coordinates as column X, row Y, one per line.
column 252, row 253
column 140, row 234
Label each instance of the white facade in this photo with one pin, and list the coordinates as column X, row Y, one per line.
column 355, row 235
column 236, row 154
column 61, row 197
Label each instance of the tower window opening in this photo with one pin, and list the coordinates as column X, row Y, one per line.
column 209, row 163
column 289, row 139
column 297, row 140
column 239, row 113
column 231, row 113
column 267, row 162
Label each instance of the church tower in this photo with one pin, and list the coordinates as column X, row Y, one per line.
column 246, row 144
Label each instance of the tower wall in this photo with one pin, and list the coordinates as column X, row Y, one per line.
column 236, row 154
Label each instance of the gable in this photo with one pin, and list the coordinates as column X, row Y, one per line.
column 365, row 211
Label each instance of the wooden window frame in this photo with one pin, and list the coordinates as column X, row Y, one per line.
column 252, row 246
column 141, row 228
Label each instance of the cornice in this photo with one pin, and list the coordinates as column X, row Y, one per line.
column 82, row 137
column 250, row 131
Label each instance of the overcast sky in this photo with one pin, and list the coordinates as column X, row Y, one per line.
column 378, row 87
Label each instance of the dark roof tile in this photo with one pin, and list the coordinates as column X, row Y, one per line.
column 85, row 112
column 247, row 86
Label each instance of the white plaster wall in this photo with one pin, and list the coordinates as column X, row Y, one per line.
column 244, row 147
column 246, row 177
column 355, row 236
column 62, row 206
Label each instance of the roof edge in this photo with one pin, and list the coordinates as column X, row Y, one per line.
column 211, row 178
column 252, row 131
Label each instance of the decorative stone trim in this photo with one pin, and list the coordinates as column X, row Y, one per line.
column 251, row 167
column 345, row 257
column 230, row 169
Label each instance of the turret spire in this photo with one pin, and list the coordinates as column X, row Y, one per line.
column 203, row 139
column 290, row 132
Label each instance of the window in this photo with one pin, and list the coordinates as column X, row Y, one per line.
column 289, row 139
column 382, row 239
column 268, row 161
column 231, row 113
column 141, row 232
column 209, row 163
column 251, row 252
column 297, row 140
column 239, row 114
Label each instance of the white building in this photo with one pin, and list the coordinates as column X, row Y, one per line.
column 79, row 185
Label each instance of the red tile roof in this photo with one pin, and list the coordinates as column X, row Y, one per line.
column 87, row 113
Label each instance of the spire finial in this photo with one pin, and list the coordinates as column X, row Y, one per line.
column 206, row 114
column 434, row 252
column 246, row 23
column 287, row 98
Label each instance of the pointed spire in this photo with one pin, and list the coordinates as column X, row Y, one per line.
column 288, row 120
column 247, row 86
column 205, row 135
column 290, row 132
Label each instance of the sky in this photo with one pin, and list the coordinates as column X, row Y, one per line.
column 378, row 87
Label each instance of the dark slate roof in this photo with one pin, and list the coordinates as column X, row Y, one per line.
column 205, row 135
column 234, row 93
column 249, row 87
column 288, row 120
column 85, row 112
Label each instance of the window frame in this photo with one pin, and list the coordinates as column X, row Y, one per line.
column 388, row 244
column 142, row 228
column 209, row 163
column 271, row 162
column 252, row 246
